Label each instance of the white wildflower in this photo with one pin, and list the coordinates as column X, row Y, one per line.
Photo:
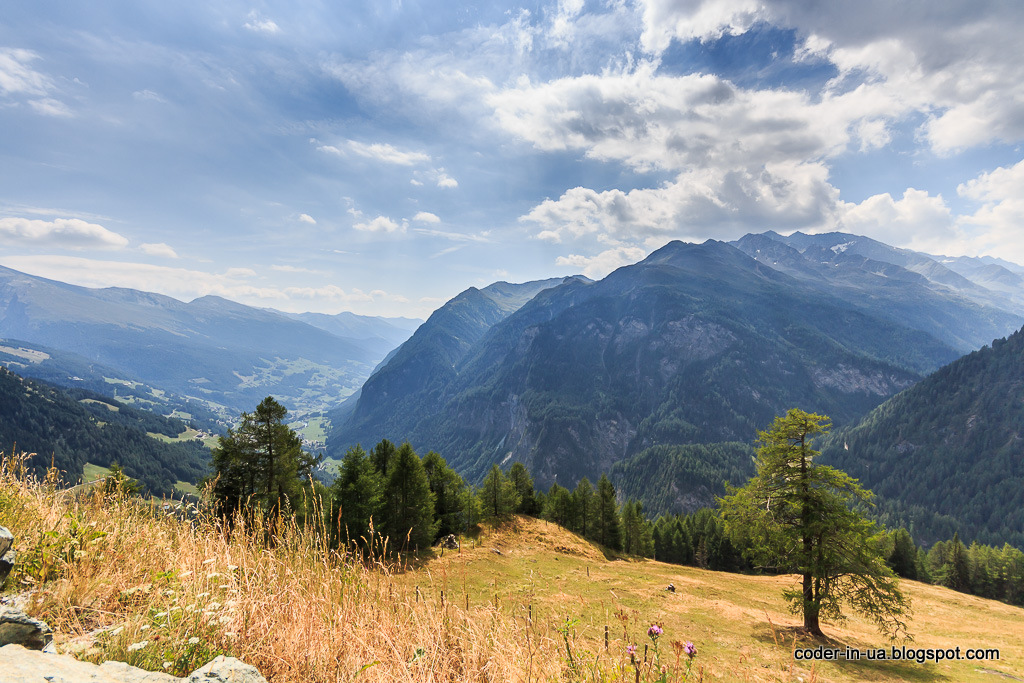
column 137, row 646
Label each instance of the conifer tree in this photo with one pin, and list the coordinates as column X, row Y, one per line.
column 583, row 508
column 498, row 495
column 607, row 530
column 523, row 482
column 447, row 487
column 356, row 496
column 408, row 509
column 796, row 515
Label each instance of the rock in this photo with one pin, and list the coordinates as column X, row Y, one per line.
column 449, row 542
column 17, row 628
column 125, row 673
column 20, row 665
column 226, row 670
column 7, row 561
column 6, row 540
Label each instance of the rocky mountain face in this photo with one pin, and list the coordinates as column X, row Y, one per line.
column 898, row 284
column 695, row 344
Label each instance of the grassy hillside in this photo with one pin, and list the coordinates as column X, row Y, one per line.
column 298, row 613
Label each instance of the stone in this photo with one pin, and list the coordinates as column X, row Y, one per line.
column 226, row 670
column 20, row 665
column 17, row 628
column 449, row 542
column 7, row 561
column 6, row 540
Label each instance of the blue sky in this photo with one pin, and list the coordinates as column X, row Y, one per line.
column 381, row 157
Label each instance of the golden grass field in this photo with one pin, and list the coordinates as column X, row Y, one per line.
column 125, row 582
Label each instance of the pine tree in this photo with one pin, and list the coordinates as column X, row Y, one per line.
column 447, row 487
column 357, row 494
column 408, row 509
column 261, row 463
column 795, row 515
column 583, row 508
column 606, row 516
column 521, row 479
column 498, row 495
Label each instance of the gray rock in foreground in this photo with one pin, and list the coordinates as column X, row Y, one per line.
column 6, row 540
column 19, row 665
column 17, row 628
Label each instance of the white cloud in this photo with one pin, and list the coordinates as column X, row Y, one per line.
column 995, row 228
column 147, row 96
column 446, row 181
column 380, row 224
column 158, row 249
column 426, row 217
column 294, row 269
column 596, row 267
column 16, row 76
column 378, row 151
column 306, row 218
column 454, row 236
column 917, row 221
column 240, row 272
column 65, row 233
column 961, row 64
column 258, row 23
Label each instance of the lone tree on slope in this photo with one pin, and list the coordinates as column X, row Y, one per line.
column 796, row 516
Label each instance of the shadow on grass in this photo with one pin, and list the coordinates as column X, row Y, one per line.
column 789, row 638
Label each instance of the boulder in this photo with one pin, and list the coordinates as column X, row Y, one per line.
column 226, row 670
column 7, row 561
column 20, row 665
column 449, row 542
column 17, row 628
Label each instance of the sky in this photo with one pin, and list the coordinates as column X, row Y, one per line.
column 380, row 157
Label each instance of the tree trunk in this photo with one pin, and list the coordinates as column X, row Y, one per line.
column 810, row 607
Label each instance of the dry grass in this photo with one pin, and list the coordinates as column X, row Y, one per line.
column 191, row 590
column 295, row 610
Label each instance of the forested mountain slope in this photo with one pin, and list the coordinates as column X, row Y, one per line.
column 946, row 454
column 73, row 427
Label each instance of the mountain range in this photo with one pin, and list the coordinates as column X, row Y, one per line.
column 696, row 344
column 222, row 354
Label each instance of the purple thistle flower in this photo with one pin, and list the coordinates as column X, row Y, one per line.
column 654, row 631
column 631, row 650
column 690, row 649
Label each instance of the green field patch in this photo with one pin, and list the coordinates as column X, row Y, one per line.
column 110, row 407
column 186, row 488
column 30, row 355
column 91, row 473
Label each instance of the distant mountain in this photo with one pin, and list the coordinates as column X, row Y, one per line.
column 69, row 370
column 225, row 354
column 383, row 332
column 695, row 344
column 901, row 285
column 72, row 427
column 945, row 455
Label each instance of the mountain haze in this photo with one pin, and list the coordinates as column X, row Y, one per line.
column 225, row 354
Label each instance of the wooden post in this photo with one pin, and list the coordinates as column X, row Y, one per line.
column 606, row 637
column 417, row 593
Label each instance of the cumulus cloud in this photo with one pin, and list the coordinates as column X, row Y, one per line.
column 446, row 181
column 995, row 228
column 917, row 221
column 65, row 233
column 306, row 218
column 158, row 249
column 960, row 64
column 256, row 22
column 596, row 267
column 380, row 224
column 426, row 217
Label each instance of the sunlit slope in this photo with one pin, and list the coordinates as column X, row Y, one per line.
column 740, row 624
